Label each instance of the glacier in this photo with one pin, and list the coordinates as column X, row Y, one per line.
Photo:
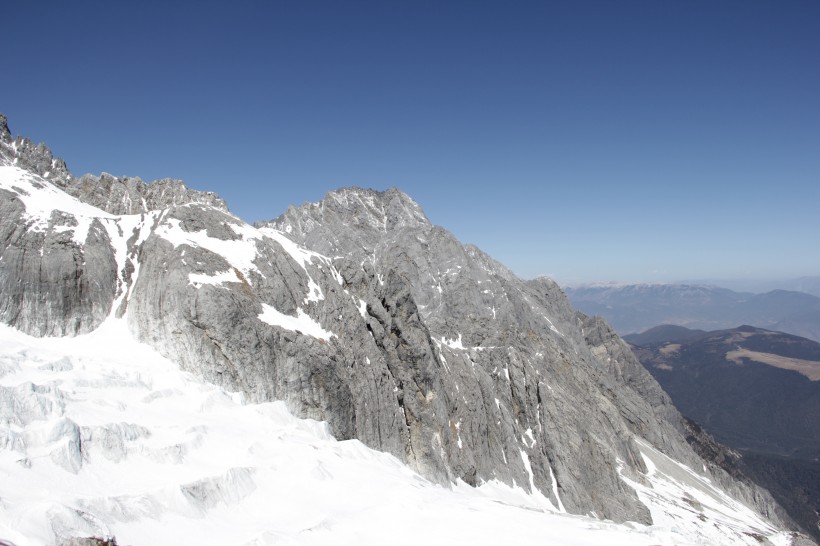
column 102, row 436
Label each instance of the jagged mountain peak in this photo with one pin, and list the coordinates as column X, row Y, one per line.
column 368, row 212
column 383, row 210
column 5, row 134
column 36, row 158
column 131, row 195
column 113, row 194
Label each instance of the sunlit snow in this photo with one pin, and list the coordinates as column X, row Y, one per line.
column 198, row 279
column 677, row 495
column 453, row 343
column 101, row 435
column 302, row 322
column 240, row 253
column 41, row 198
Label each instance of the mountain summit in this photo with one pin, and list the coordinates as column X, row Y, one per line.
column 357, row 311
column 385, row 211
column 350, row 217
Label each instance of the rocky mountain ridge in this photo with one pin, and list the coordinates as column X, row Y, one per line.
column 116, row 195
column 356, row 311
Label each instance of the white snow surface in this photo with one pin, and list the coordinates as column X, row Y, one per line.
column 302, row 322
column 453, row 343
column 198, row 279
column 676, row 494
column 41, row 198
column 240, row 253
column 100, row 435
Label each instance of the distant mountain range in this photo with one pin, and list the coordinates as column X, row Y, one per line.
column 638, row 307
column 808, row 284
column 754, row 390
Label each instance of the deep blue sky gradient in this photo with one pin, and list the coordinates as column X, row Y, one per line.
column 587, row 140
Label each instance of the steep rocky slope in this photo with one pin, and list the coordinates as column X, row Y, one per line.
column 356, row 311
column 573, row 386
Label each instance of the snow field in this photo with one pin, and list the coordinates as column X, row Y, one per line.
column 41, row 198
column 163, row 458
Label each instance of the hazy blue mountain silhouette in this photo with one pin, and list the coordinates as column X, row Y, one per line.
column 638, row 307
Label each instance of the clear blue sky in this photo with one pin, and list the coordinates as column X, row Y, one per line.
column 590, row 141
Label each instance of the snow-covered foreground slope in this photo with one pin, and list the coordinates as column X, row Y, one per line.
column 100, row 435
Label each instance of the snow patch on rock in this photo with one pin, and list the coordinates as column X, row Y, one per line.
column 42, row 199
column 240, row 253
column 302, row 322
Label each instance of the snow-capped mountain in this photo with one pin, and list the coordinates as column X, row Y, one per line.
column 356, row 312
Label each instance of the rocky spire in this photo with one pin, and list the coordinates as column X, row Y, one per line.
column 34, row 157
column 5, row 134
column 116, row 195
column 350, row 216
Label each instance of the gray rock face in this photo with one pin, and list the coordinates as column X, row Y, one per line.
column 508, row 382
column 116, row 195
column 58, row 272
column 214, row 327
column 35, row 158
column 129, row 195
column 50, row 283
column 89, row 541
column 387, row 328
